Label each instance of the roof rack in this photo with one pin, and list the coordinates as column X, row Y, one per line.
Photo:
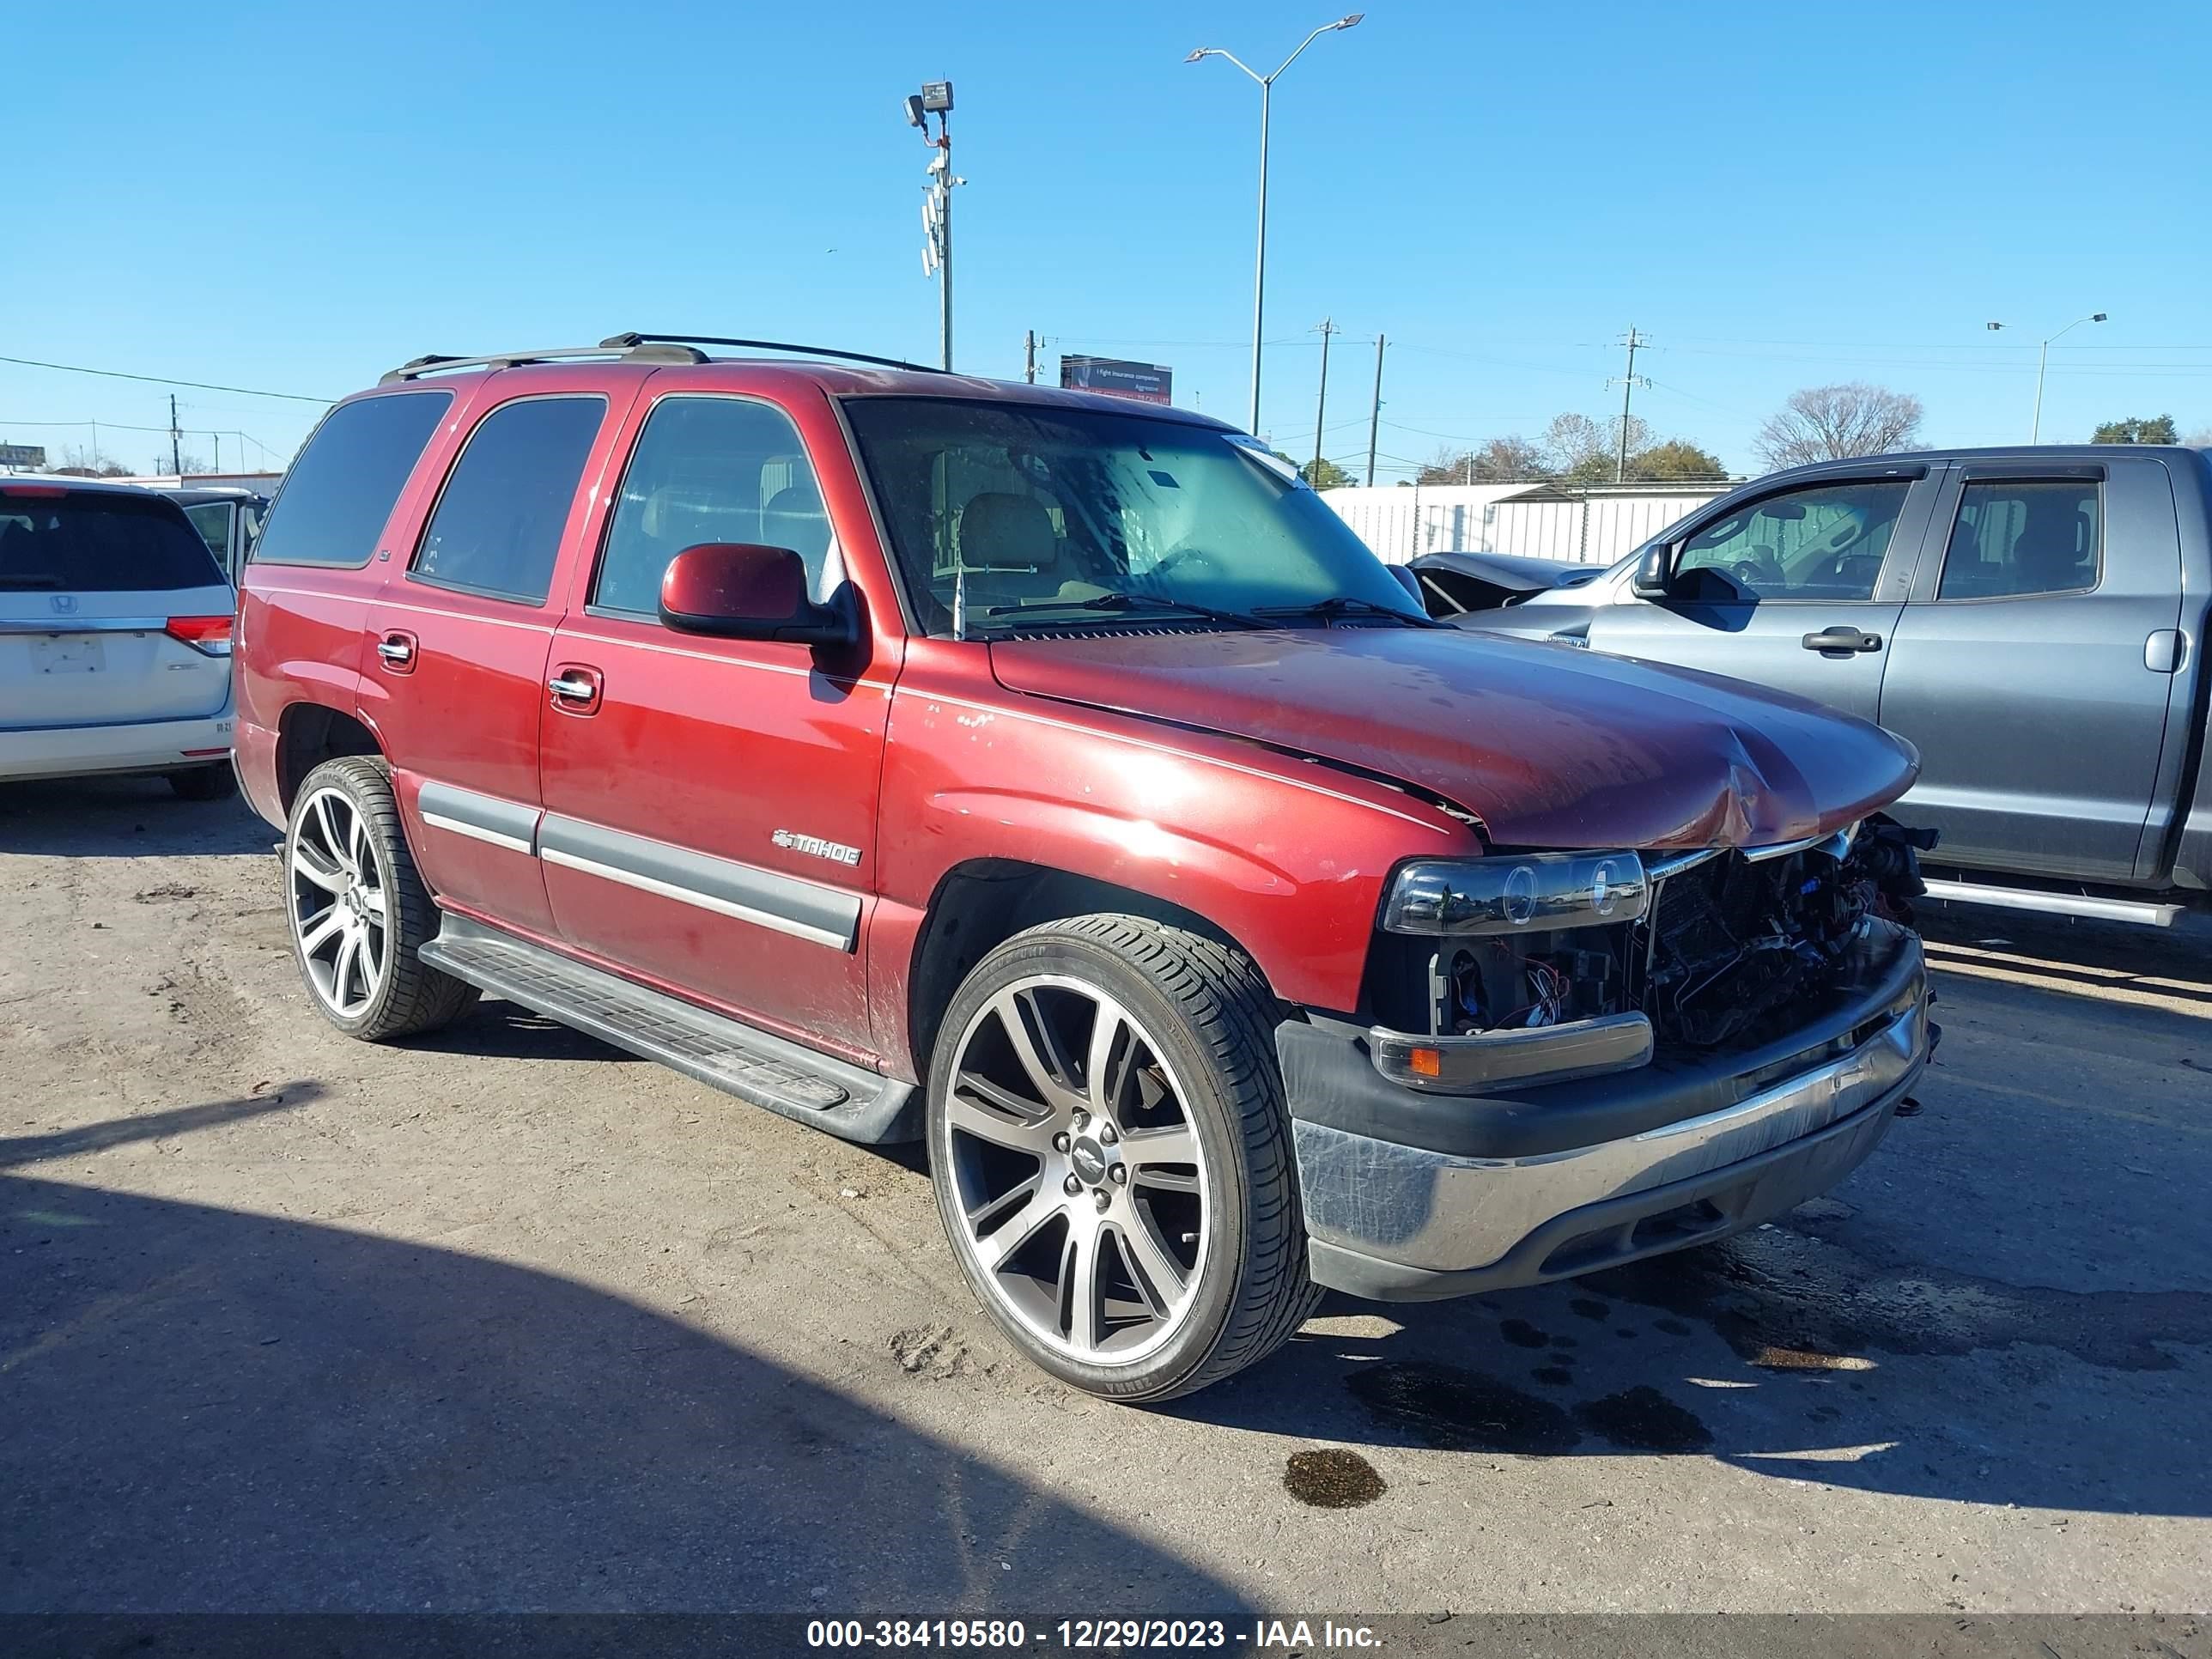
column 647, row 342
column 621, row 348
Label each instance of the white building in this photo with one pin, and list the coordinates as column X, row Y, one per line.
column 1575, row 524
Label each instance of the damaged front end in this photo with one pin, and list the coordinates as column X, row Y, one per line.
column 1550, row 967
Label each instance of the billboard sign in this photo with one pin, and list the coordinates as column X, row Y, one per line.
column 1148, row 383
column 24, row 455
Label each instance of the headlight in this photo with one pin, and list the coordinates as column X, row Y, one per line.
column 1531, row 892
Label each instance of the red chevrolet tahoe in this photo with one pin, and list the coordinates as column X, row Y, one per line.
column 1061, row 781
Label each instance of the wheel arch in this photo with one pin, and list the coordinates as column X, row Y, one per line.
column 981, row 903
column 307, row 735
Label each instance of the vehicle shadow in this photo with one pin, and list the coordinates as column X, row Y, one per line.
column 217, row 1411
column 495, row 1028
column 124, row 818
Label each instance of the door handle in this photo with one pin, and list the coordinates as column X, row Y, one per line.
column 2163, row 651
column 1842, row 638
column 576, row 687
column 397, row 650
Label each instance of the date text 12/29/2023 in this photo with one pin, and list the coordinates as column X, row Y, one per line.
column 1090, row 1635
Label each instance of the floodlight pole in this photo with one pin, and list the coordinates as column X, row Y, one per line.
column 945, row 244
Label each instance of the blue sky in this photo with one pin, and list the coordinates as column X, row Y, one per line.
column 296, row 198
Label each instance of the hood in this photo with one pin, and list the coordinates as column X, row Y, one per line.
column 1550, row 745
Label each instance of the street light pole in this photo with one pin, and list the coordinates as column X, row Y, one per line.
column 2043, row 362
column 1260, row 256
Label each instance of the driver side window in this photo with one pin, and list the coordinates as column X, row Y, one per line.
column 1825, row 542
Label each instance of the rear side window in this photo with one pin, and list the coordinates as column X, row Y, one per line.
column 497, row 526
column 96, row 542
column 342, row 488
column 2014, row 538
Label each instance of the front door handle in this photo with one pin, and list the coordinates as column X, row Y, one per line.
column 575, row 689
column 1842, row 638
column 397, row 651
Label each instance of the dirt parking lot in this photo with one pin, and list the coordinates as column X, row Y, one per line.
column 505, row 1319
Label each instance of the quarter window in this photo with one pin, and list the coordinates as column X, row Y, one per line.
column 711, row 470
column 1823, row 543
column 2014, row 538
column 497, row 526
column 341, row 488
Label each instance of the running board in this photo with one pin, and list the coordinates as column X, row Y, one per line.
column 722, row 1053
column 2144, row 912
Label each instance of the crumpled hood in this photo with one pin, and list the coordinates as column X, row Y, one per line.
column 1551, row 745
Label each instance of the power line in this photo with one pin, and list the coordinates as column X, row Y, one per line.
column 157, row 379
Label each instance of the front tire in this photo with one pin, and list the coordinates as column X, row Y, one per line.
column 1111, row 1154
column 357, row 910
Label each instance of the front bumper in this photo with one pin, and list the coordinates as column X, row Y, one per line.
column 1410, row 1196
column 68, row 751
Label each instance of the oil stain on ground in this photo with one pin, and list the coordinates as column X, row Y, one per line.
column 1787, row 1300
column 1522, row 1335
column 1332, row 1479
column 1643, row 1419
column 1457, row 1410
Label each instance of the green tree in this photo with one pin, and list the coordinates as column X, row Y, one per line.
column 2137, row 430
column 1325, row 474
column 1677, row 458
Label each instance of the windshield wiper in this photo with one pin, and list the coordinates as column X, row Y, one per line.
column 1343, row 605
column 1111, row 602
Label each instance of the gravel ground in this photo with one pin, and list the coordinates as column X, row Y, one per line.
column 505, row 1320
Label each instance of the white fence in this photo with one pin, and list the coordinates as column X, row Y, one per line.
column 1593, row 525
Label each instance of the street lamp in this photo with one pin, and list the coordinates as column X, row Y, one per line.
column 2042, row 362
column 1260, row 262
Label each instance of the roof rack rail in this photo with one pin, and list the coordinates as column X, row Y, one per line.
column 646, row 342
column 622, row 350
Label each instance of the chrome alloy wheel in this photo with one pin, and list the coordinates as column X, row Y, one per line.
column 338, row 903
column 1076, row 1171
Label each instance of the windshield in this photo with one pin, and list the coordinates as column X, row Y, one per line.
column 1061, row 518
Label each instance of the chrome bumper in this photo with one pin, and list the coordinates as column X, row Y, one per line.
column 1386, row 1220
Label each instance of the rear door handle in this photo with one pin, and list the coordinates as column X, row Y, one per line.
column 396, row 649
column 1842, row 638
column 576, row 687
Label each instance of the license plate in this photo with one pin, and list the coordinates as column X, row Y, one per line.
column 77, row 653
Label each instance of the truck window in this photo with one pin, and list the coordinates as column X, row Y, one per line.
column 1825, row 542
column 339, row 493
column 496, row 528
column 2014, row 539
column 710, row 470
column 212, row 520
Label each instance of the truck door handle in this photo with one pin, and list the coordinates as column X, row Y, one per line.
column 1842, row 638
column 2163, row 652
column 396, row 649
column 575, row 689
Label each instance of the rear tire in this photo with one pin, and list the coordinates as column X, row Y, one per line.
column 215, row 782
column 357, row 910
column 1136, row 1233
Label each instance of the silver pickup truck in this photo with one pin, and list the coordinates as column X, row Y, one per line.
column 2032, row 620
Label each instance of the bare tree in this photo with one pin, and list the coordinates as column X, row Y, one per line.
column 1835, row 423
column 2200, row 439
column 86, row 463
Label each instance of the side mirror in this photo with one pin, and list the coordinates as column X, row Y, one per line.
column 1652, row 569
column 743, row 591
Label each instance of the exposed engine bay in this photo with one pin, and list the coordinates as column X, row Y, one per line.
column 1728, row 949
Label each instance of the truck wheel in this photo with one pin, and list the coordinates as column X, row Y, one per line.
column 1112, row 1156
column 357, row 910
column 215, row 782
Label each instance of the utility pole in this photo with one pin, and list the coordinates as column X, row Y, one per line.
column 176, row 442
column 1628, row 383
column 1321, row 415
column 1028, row 355
column 218, row 451
column 1375, row 414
